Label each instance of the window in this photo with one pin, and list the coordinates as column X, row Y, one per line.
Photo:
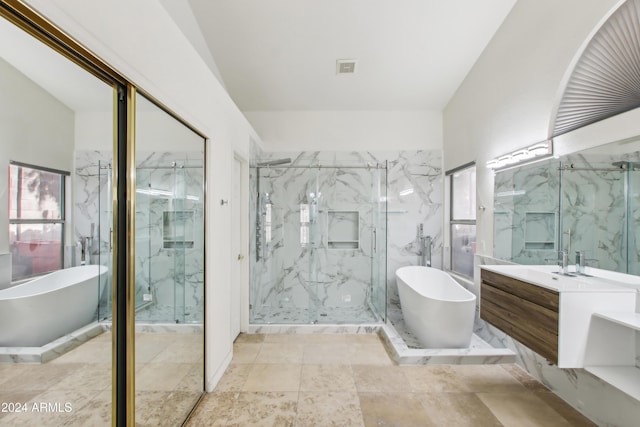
column 36, row 219
column 462, row 185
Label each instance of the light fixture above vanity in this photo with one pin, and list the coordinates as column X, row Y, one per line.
column 538, row 151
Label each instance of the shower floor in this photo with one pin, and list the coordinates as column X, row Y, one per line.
column 293, row 315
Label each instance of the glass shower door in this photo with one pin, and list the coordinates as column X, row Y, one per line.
column 105, row 237
column 379, row 240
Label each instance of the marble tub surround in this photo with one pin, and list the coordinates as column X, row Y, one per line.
column 412, row 192
column 52, row 350
column 363, row 387
column 592, row 396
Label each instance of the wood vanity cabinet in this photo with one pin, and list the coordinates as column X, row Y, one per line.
column 526, row 312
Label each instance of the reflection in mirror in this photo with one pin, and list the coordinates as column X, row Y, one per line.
column 169, row 266
column 586, row 201
column 54, row 254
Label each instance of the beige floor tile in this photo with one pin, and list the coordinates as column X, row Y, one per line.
column 393, row 409
column 15, row 397
column 234, row 378
column 433, row 379
column 161, row 376
column 97, row 412
column 369, row 354
column 377, row 379
column 96, row 377
column 327, row 378
column 194, row 380
column 327, row 354
column 38, row 377
column 155, row 409
column 214, row 410
column 264, row 409
column 363, row 339
column 328, row 409
column 250, row 338
column 180, row 352
column 93, row 351
column 273, row 377
column 564, row 409
column 280, row 353
column 529, row 382
column 286, row 338
column 457, row 409
column 487, row 378
column 245, row 352
column 147, row 350
column 522, row 410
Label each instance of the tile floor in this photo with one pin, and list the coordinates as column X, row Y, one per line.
column 348, row 380
column 169, row 381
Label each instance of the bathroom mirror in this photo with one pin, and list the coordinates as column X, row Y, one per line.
column 586, row 201
column 55, row 230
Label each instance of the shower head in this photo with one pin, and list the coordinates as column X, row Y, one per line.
column 277, row 162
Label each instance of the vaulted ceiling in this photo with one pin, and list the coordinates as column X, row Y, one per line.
column 281, row 54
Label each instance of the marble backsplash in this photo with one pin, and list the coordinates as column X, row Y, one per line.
column 335, row 258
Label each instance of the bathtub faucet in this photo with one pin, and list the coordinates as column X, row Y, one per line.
column 85, row 243
column 425, row 248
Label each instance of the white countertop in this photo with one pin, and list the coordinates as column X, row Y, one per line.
column 543, row 276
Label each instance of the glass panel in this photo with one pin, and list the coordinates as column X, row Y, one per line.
column 169, row 265
column 463, row 248
column 463, row 206
column 56, row 116
column 594, row 214
column 527, row 212
column 318, row 234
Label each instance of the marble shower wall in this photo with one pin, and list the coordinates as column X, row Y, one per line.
column 172, row 275
column 351, row 204
column 526, row 213
column 577, row 204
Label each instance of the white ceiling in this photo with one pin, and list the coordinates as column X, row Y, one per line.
column 281, row 54
column 61, row 78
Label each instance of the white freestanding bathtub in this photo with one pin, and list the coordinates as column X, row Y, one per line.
column 37, row 312
column 436, row 308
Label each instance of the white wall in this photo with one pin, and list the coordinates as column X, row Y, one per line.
column 141, row 41
column 509, row 98
column 49, row 143
column 348, row 130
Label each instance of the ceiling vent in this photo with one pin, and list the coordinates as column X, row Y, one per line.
column 346, row 66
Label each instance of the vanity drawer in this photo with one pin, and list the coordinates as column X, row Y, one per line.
column 536, row 294
column 531, row 324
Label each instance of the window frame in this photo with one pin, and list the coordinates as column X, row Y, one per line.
column 61, row 221
column 453, row 221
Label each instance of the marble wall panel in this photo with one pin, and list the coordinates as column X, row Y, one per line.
column 328, row 273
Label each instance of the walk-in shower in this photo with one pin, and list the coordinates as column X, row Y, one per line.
column 169, row 237
column 319, row 239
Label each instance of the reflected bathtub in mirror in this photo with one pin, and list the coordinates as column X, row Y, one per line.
column 37, row 312
column 436, row 308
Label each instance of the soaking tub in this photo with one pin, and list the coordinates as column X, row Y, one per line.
column 436, row 308
column 37, row 312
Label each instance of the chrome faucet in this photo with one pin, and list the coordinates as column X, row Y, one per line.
column 425, row 247
column 563, row 261
column 580, row 262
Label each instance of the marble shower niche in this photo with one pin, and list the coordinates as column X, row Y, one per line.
column 329, row 229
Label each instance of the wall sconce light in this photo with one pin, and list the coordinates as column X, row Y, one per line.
column 536, row 152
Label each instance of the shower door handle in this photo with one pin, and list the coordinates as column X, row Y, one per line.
column 110, row 239
column 375, row 240
column 240, row 257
